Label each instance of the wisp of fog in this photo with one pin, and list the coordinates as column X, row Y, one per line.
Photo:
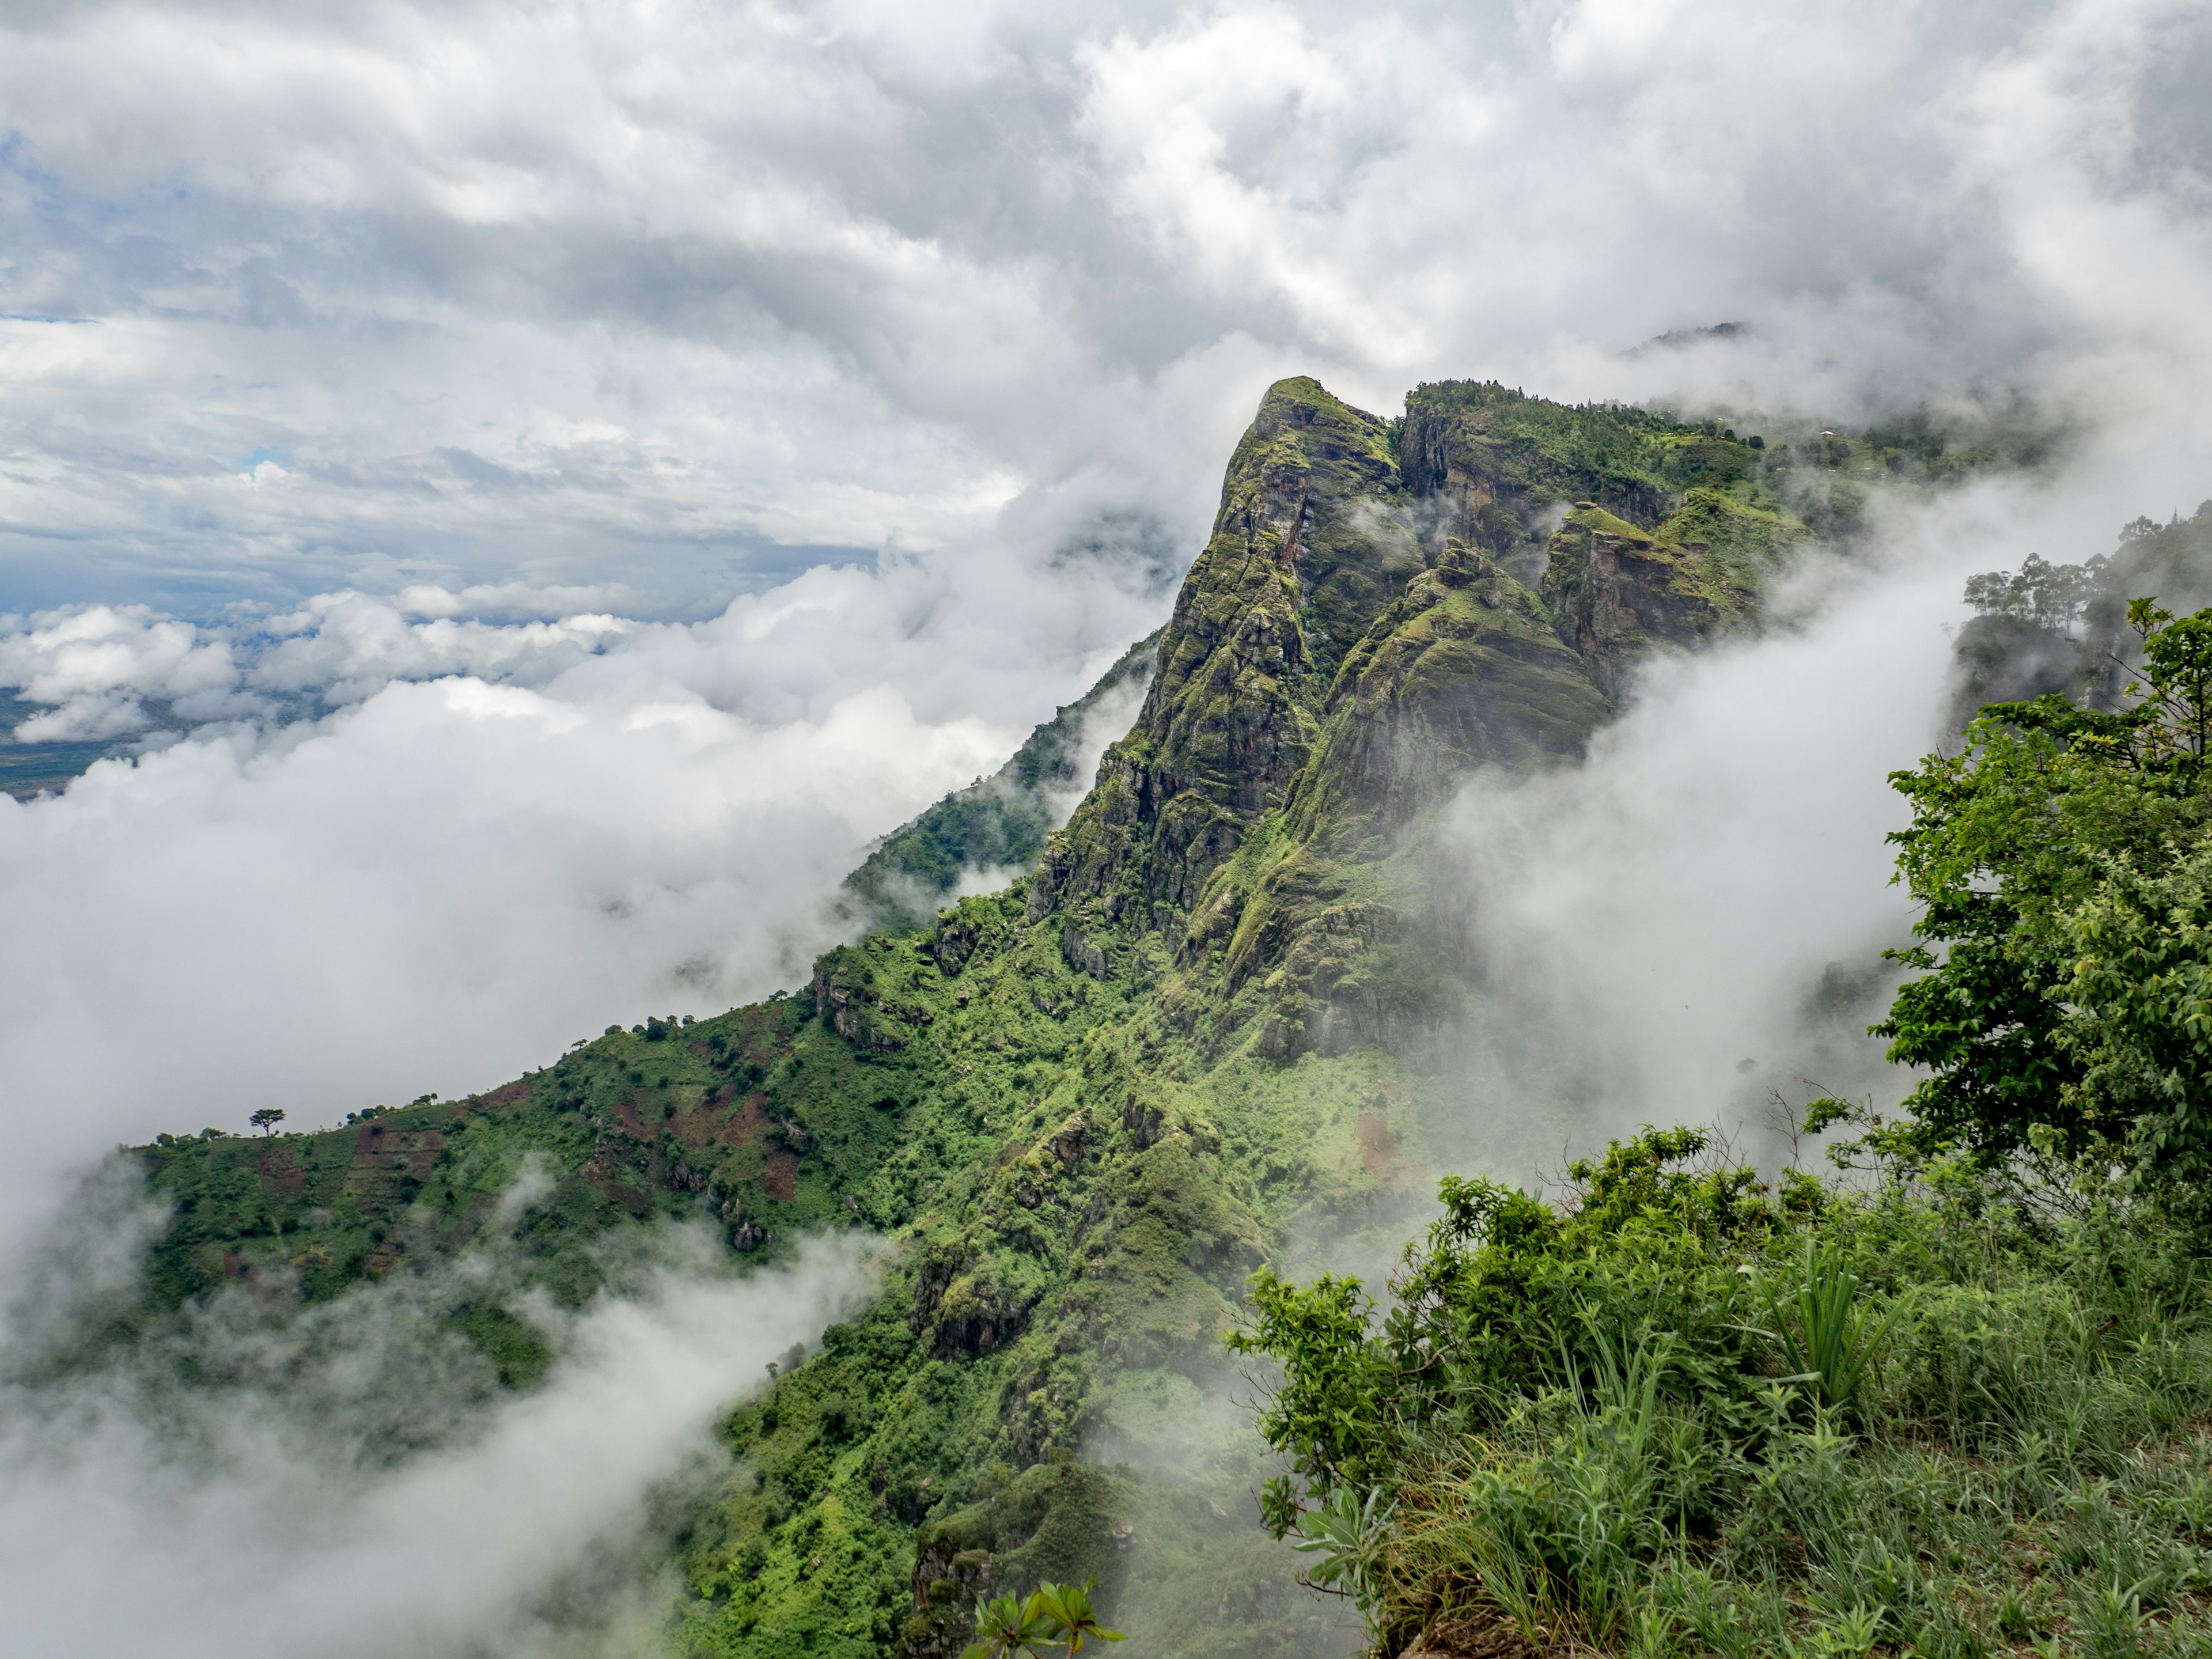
column 352, row 1480
column 1688, row 928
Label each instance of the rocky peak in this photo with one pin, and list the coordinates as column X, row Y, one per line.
column 1378, row 611
column 1313, row 539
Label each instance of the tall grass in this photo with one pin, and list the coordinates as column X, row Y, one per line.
column 1967, row 1423
column 1825, row 1334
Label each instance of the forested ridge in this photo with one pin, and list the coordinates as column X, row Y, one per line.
column 1936, row 1389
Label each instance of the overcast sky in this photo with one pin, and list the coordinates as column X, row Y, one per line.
column 679, row 441
column 685, row 297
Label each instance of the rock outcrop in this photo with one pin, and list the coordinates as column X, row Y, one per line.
column 1381, row 610
column 1313, row 539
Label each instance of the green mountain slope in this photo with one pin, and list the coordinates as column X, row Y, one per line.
column 1086, row 1107
column 996, row 823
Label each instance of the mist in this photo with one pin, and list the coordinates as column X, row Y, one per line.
column 353, row 1479
column 1688, row 927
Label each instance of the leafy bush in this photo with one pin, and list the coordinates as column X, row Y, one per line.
column 1950, row 1412
column 2063, row 859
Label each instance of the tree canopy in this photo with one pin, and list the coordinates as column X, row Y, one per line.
column 2063, row 860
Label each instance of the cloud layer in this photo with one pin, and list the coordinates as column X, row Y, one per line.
column 303, row 298
column 1690, row 925
column 354, row 1482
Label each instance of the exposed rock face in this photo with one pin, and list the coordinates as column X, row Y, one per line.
column 947, row 1584
column 1081, row 952
column 1378, row 613
column 880, row 1011
column 970, row 1303
column 1061, row 1521
column 1313, row 539
column 1144, row 1120
column 848, row 999
column 1617, row 592
column 1465, row 670
column 954, row 938
column 1487, row 462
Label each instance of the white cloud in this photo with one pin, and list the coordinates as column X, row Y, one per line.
column 1650, row 921
column 435, row 889
column 353, row 1483
column 96, row 664
column 610, row 292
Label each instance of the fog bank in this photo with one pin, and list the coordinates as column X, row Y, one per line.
column 354, row 1481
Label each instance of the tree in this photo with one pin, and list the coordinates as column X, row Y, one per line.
column 1069, row 1617
column 267, row 1119
column 2052, row 596
column 1054, row 1615
column 1006, row 1627
column 2061, row 862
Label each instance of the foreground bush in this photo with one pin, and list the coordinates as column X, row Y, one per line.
column 1953, row 1411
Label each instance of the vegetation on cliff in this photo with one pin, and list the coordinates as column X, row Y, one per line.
column 1086, row 1107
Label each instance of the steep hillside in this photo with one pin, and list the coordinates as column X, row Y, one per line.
column 1084, row 1109
column 1261, row 823
column 997, row 824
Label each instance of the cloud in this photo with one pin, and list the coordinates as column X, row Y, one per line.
column 354, row 1481
column 654, row 293
column 97, row 664
column 1651, row 926
column 1690, row 924
column 445, row 880
column 435, row 889
column 1691, row 920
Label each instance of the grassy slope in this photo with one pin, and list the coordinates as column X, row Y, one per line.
column 1084, row 1120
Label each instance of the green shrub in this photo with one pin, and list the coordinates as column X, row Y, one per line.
column 1949, row 1412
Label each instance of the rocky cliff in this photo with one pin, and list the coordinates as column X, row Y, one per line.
column 1380, row 608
